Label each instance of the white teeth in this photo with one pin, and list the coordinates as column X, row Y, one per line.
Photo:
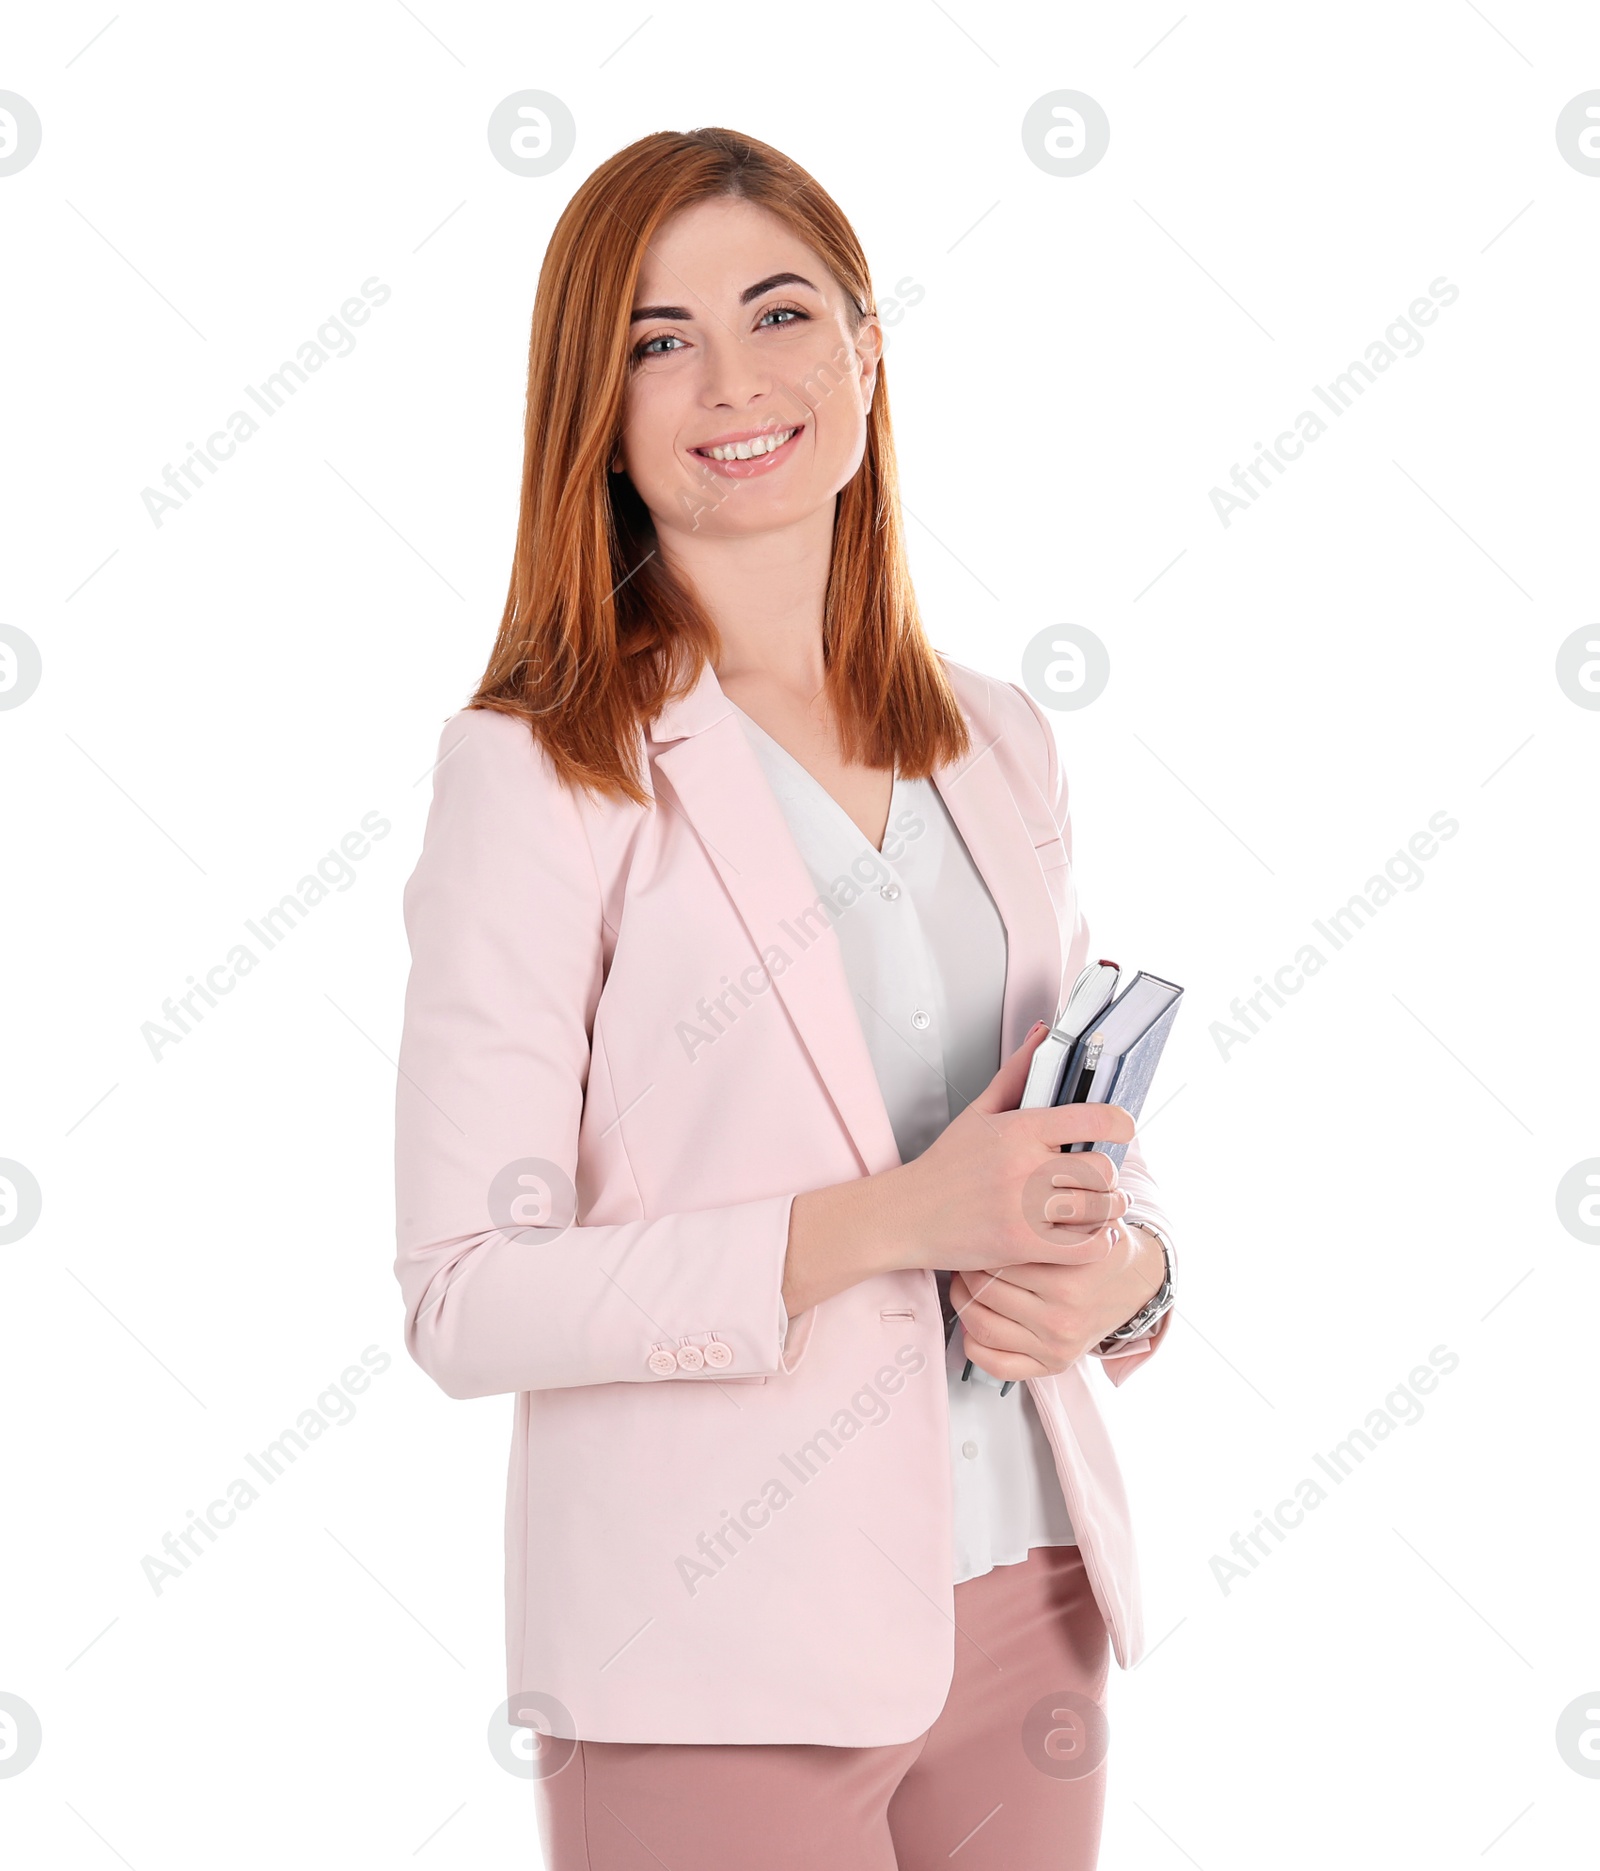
column 749, row 451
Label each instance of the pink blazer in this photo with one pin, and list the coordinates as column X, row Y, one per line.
column 713, row 1533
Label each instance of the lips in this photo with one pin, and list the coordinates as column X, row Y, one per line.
column 755, row 464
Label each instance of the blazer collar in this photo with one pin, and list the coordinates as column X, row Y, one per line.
column 693, row 712
column 714, row 778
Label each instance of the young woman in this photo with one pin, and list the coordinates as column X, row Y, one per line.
column 738, row 914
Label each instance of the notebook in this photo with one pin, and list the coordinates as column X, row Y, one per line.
column 1114, row 1058
column 1099, row 1050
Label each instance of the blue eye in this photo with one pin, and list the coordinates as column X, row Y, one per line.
column 786, row 313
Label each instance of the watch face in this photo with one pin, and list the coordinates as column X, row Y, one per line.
column 1147, row 1315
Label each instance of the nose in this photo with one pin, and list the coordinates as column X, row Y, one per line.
column 735, row 374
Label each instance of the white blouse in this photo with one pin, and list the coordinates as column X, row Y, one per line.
column 925, row 953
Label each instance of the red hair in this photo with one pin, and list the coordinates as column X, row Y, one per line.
column 597, row 633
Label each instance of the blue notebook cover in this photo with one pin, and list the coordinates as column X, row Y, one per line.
column 1126, row 1078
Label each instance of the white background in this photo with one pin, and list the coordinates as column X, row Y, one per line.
column 1292, row 696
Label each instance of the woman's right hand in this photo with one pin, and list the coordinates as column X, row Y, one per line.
column 993, row 1190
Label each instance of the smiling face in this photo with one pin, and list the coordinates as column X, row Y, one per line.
column 747, row 399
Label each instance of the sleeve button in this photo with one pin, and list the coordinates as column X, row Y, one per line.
column 718, row 1355
column 690, row 1358
column 663, row 1363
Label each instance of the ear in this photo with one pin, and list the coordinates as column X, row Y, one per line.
column 869, row 354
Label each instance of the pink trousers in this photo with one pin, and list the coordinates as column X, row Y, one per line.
column 1011, row 1777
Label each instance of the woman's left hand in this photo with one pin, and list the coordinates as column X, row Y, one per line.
column 1037, row 1319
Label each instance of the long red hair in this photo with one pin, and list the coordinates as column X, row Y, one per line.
column 597, row 633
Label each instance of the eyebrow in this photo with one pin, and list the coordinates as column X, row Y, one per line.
column 749, row 293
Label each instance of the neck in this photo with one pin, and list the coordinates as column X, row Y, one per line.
column 765, row 592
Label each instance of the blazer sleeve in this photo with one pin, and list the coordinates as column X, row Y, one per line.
column 1144, row 1199
column 503, row 915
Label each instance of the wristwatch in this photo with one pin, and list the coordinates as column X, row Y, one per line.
column 1158, row 1302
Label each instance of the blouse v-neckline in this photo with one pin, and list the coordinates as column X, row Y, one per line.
column 812, row 784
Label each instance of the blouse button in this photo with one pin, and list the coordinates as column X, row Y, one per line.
column 920, row 1019
column 891, row 891
column 663, row 1363
column 969, row 1450
column 690, row 1357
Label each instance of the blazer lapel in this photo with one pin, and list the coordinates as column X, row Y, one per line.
column 699, row 747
